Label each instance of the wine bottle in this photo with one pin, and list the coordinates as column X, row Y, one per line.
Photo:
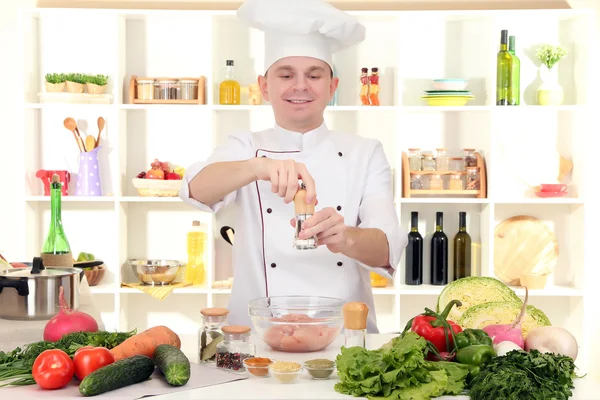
column 462, row 249
column 503, row 65
column 414, row 252
column 439, row 253
column 56, row 250
column 515, row 74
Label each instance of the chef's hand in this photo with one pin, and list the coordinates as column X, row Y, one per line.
column 329, row 227
column 284, row 175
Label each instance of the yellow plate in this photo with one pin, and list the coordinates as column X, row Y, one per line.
column 447, row 101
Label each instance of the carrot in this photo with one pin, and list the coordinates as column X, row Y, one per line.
column 144, row 343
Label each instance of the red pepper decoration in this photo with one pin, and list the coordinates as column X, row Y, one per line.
column 436, row 328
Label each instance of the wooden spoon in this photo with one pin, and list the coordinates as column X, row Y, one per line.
column 100, row 127
column 71, row 125
column 90, row 143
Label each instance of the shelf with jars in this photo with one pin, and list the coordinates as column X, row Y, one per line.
column 429, row 173
column 167, row 90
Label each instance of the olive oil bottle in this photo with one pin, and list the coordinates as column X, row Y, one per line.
column 56, row 250
column 414, row 253
column 515, row 74
column 439, row 252
column 462, row 249
column 503, row 69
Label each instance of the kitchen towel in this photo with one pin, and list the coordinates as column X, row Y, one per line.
column 158, row 292
column 201, row 376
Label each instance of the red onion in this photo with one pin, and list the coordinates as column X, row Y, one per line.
column 68, row 321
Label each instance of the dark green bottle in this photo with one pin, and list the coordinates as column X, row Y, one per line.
column 515, row 74
column 503, row 69
column 439, row 252
column 462, row 249
column 56, row 247
column 414, row 253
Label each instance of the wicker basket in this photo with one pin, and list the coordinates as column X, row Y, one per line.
column 157, row 187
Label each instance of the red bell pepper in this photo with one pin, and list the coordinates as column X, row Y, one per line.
column 436, row 329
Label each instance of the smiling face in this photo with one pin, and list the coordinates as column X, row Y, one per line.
column 299, row 89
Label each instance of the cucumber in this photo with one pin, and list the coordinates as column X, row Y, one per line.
column 174, row 365
column 125, row 372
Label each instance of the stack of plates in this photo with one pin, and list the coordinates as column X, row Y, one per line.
column 448, row 92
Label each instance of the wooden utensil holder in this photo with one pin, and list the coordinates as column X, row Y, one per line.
column 133, row 94
column 406, row 179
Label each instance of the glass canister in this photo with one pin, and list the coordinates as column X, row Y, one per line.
column 456, row 164
column 436, row 182
column 378, row 280
column 188, row 88
column 428, row 163
column 235, row 348
column 416, row 182
column 211, row 333
column 470, row 158
column 255, row 97
column 414, row 159
column 473, row 178
column 145, row 89
column 166, row 89
column 441, row 160
column 455, row 182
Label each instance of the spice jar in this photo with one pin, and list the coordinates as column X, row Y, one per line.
column 166, row 89
column 428, row 163
column 211, row 333
column 436, row 183
column 416, row 182
column 145, row 89
column 188, row 89
column 255, row 97
column 235, row 348
column 456, row 182
column 473, row 179
column 470, row 158
column 441, row 160
column 414, row 159
column 456, row 164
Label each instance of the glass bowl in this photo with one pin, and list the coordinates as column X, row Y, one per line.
column 257, row 368
column 155, row 272
column 297, row 324
column 286, row 377
column 320, row 370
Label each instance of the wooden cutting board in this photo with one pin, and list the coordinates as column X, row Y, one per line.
column 523, row 245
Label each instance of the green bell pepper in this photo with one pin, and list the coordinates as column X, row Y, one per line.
column 474, row 357
column 470, row 337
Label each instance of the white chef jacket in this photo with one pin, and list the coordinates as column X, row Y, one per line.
column 351, row 174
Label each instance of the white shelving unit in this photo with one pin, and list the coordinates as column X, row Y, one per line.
column 410, row 48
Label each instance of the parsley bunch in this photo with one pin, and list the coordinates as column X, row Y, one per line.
column 525, row 375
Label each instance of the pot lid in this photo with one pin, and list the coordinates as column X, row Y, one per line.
column 39, row 271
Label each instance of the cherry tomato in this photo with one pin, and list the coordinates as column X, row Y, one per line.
column 88, row 359
column 53, row 369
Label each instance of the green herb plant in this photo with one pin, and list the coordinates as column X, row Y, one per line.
column 55, row 78
column 99, row 80
column 76, row 78
column 549, row 55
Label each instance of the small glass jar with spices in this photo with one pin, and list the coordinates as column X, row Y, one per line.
column 416, row 182
column 145, row 88
column 211, row 333
column 188, row 89
column 428, row 163
column 441, row 160
column 166, row 89
column 473, row 178
column 235, row 348
column 470, row 158
column 414, row 159
column 455, row 182
column 436, row 182
column 456, row 164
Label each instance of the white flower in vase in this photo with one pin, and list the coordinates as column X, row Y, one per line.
column 550, row 92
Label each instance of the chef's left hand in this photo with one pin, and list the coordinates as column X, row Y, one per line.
column 329, row 227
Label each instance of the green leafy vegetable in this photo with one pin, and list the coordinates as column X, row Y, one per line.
column 398, row 370
column 525, row 375
column 16, row 365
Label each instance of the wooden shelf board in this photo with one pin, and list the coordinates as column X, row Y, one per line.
column 438, row 172
column 448, row 192
column 136, row 101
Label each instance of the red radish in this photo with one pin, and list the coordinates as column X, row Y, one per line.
column 68, row 321
column 509, row 332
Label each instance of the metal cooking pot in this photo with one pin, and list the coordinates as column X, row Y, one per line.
column 32, row 293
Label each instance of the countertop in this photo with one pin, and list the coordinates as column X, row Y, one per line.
column 255, row 388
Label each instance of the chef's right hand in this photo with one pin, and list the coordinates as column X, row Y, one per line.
column 284, row 175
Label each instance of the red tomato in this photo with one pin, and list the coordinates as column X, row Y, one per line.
column 88, row 359
column 53, row 369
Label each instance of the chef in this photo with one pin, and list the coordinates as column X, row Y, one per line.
column 348, row 176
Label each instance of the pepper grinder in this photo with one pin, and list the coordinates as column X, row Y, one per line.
column 355, row 324
column 303, row 211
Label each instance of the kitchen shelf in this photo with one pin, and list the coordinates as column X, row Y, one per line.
column 156, row 43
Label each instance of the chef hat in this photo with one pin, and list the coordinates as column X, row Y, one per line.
column 309, row 28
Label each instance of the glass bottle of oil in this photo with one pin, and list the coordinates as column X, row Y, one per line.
column 229, row 89
column 194, row 271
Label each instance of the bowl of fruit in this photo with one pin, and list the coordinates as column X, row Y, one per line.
column 161, row 180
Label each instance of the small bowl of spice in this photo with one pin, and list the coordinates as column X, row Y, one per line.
column 285, row 372
column 258, row 366
column 320, row 368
